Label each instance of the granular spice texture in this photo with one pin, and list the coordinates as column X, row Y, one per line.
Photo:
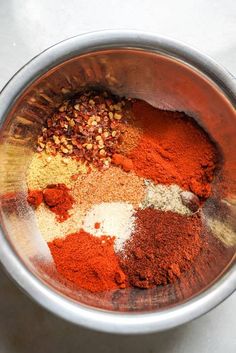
column 131, row 135
column 111, row 185
column 44, row 170
column 164, row 245
column 173, row 150
column 87, row 261
column 49, row 226
column 35, row 198
column 86, row 127
column 57, row 197
column 115, row 219
column 164, row 198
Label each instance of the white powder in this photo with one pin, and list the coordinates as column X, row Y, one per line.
column 50, row 228
column 164, row 198
column 115, row 218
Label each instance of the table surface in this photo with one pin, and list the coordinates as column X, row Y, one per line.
column 26, row 28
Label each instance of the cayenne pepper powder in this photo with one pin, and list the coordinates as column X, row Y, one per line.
column 164, row 245
column 58, row 199
column 173, row 149
column 88, row 262
column 124, row 162
column 35, row 198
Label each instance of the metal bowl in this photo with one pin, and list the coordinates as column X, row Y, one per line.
column 168, row 75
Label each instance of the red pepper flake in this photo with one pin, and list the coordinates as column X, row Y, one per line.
column 97, row 225
column 87, row 127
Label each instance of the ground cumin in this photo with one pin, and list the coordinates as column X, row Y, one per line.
column 111, row 185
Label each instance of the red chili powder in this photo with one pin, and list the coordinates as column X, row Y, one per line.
column 87, row 261
column 35, row 198
column 124, row 162
column 59, row 200
column 164, row 245
column 173, row 149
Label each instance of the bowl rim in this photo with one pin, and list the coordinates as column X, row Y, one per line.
column 107, row 321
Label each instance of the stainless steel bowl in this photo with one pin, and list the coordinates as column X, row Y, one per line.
column 168, row 75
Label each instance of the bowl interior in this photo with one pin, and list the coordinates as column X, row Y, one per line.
column 165, row 82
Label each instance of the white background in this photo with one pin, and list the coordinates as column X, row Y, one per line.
column 30, row 26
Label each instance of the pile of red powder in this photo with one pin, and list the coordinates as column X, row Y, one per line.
column 173, row 149
column 56, row 196
column 164, row 245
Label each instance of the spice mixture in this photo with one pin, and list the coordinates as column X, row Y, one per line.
column 117, row 188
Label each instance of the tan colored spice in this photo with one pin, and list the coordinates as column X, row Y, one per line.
column 130, row 137
column 164, row 198
column 110, row 185
column 223, row 231
column 50, row 228
column 44, row 170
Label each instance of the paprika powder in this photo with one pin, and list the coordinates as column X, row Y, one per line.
column 35, row 198
column 88, row 262
column 173, row 149
column 58, row 199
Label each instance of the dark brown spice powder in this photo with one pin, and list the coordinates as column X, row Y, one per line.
column 164, row 245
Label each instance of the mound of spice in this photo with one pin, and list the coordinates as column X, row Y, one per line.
column 35, row 198
column 59, row 200
column 49, row 226
column 169, row 198
column 110, row 185
column 87, row 127
column 164, row 245
column 56, row 196
column 136, row 177
column 114, row 218
column 45, row 170
column 173, row 149
column 88, row 262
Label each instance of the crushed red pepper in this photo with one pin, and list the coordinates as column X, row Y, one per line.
column 87, row 127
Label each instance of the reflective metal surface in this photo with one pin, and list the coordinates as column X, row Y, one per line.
column 167, row 75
